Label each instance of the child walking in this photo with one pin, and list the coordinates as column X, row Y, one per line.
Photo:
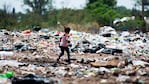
column 64, row 43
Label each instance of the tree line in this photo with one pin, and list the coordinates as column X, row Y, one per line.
column 42, row 13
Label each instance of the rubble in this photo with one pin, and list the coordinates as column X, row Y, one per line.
column 112, row 63
column 119, row 58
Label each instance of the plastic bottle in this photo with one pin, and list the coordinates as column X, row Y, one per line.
column 8, row 74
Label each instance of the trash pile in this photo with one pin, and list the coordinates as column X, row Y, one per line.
column 108, row 57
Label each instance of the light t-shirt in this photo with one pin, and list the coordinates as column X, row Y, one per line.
column 64, row 40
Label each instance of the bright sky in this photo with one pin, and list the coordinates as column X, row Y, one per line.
column 18, row 5
column 127, row 3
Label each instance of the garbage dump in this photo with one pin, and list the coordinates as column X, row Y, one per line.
column 109, row 57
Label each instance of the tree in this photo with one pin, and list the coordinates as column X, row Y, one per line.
column 123, row 10
column 39, row 13
column 102, row 10
column 144, row 4
column 38, row 6
column 110, row 3
column 8, row 18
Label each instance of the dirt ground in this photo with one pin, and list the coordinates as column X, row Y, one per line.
column 49, row 58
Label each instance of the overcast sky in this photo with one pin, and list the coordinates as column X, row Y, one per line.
column 18, row 5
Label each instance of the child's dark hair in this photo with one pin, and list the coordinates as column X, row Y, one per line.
column 67, row 30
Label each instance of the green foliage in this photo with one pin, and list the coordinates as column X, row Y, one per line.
column 65, row 16
column 123, row 11
column 132, row 24
column 102, row 12
column 31, row 20
column 110, row 3
column 7, row 20
column 105, row 11
column 96, row 3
